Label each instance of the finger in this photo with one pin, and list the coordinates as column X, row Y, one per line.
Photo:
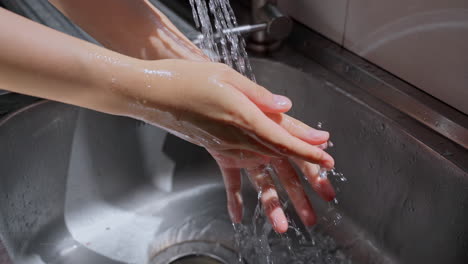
column 300, row 130
column 232, row 182
column 260, row 96
column 323, row 146
column 277, row 138
column 264, row 184
column 322, row 186
column 292, row 184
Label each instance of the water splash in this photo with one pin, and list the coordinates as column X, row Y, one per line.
column 335, row 201
column 338, row 175
column 257, row 243
column 240, row 231
column 323, row 173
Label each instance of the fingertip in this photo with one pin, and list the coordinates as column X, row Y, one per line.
column 319, row 136
column 235, row 208
column 327, row 161
column 323, row 146
column 281, row 102
column 308, row 217
column 235, row 218
column 235, row 214
column 278, row 220
column 275, row 104
column 325, row 189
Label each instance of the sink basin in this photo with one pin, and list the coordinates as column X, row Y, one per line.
column 79, row 186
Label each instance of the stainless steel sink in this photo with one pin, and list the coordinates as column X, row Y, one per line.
column 79, row 186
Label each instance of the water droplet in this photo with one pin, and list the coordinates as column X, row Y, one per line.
column 323, row 173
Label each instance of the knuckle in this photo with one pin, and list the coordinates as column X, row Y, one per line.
column 224, row 68
column 262, row 93
column 320, row 154
column 288, row 124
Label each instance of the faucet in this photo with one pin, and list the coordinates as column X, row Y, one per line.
column 269, row 27
column 279, row 26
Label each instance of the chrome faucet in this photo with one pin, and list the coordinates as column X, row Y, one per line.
column 278, row 27
column 269, row 27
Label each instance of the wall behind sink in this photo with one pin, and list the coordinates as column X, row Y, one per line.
column 424, row 42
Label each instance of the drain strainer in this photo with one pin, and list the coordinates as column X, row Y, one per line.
column 197, row 260
column 196, row 252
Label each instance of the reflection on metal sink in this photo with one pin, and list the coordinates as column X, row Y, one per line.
column 79, row 186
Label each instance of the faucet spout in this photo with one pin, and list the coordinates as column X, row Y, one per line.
column 269, row 27
column 279, row 26
column 243, row 30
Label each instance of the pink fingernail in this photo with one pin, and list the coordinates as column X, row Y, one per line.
column 281, row 100
column 323, row 133
column 329, row 164
column 280, row 224
column 323, row 146
column 319, row 134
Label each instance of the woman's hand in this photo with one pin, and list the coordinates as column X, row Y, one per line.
column 242, row 125
column 213, row 106
column 260, row 176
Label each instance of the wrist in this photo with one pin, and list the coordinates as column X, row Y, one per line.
column 136, row 88
column 113, row 78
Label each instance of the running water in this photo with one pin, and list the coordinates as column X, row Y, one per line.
column 231, row 48
column 257, row 242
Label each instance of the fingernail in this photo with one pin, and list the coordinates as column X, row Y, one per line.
column 328, row 163
column 280, row 224
column 323, row 133
column 323, row 146
column 319, row 134
column 281, row 100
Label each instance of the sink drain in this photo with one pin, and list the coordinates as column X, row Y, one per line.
column 196, row 252
column 197, row 260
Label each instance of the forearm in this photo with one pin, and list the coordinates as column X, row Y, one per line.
column 39, row 61
column 132, row 27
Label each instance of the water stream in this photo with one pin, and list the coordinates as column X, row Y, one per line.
column 230, row 47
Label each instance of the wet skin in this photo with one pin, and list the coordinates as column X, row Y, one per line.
column 240, row 123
